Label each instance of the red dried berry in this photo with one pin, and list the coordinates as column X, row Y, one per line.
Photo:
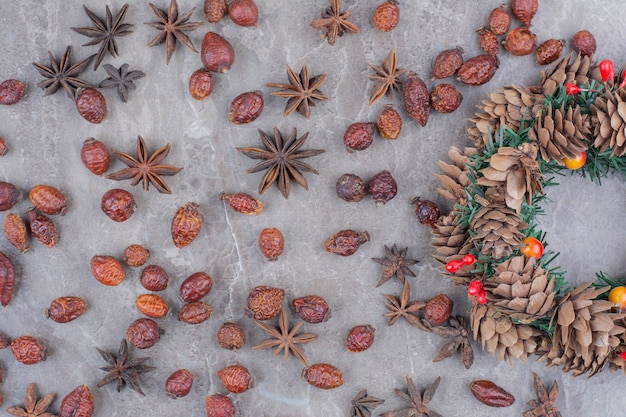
column 520, row 42
column 243, row 12
column 272, row 243
column 416, row 99
column 549, row 51
column 195, row 313
column 66, row 309
column 359, row 136
column 478, row 70
column 426, row 211
column 499, row 21
column 311, row 308
column 350, row 188
column 11, row 92
column 48, row 200
column 323, row 375
column 346, row 242
column 217, row 53
column 584, row 43
column 107, row 270
column 196, row 286
column 382, row 187
column 143, row 333
column 152, row 305
column 200, row 84
column 186, row 224
column 118, row 204
column 524, row 10
column 136, row 255
column 386, row 16
column 236, row 378
column 218, row 405
column 447, row 63
column 42, row 228
column 491, row 394
column 179, row 383
column 243, row 203
column 9, row 195
column 231, row 336
column 264, row 303
column 360, row 338
column 95, row 156
column 246, row 107
column 7, row 279
column 15, row 232
column 28, row 350
column 389, row 123
column 154, row 278
column 488, row 41
column 438, row 310
column 91, row 105
column 78, row 403
column 445, row 98
column 214, row 10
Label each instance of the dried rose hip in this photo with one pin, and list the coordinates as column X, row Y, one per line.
column 426, row 211
column 520, row 42
column 7, row 279
column 246, row 107
column 28, row 350
column 42, row 228
column 214, row 10
column 217, row 53
column 9, row 195
column 311, row 308
column 499, row 21
column 154, row 278
column 186, row 224
column 78, row 403
column 48, row 200
column 91, row 105
column 218, row 405
column 196, row 286
column 118, row 204
column 95, row 156
column 195, row 312
column 66, row 309
column 4, row 342
column 389, row 123
column 416, row 99
column 143, row 333
column 350, row 188
column 447, row 63
column 323, row 375
column 524, row 10
column 179, row 383
column 360, row 338
column 243, row 203
column 272, row 243
column 382, row 187
column 445, row 98
column 200, row 84
column 346, row 242
column 11, row 92
column 231, row 336
column 488, row 41
column 386, row 16
column 107, row 270
column 264, row 303
column 152, row 305
column 491, row 394
column 15, row 232
column 438, row 309
column 236, row 378
column 478, row 70
column 359, row 136
column 584, row 43
column 243, row 12
column 549, row 51
column 135, row 255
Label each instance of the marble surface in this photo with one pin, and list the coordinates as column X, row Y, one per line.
column 45, row 134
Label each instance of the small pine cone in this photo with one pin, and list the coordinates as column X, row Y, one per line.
column 573, row 69
column 451, row 241
column 455, row 175
column 609, row 119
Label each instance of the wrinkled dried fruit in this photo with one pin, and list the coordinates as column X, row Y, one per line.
column 91, row 105
column 214, row 10
column 389, row 123
column 217, row 53
column 524, row 10
column 78, row 403
column 154, row 278
column 143, row 333
column 179, row 383
column 350, row 188
column 4, row 342
column 311, row 308
column 416, row 99
column 499, row 21
column 66, row 309
column 7, row 279
column 360, row 338
column 491, row 394
column 118, row 204
column 445, row 98
column 9, row 195
column 136, row 255
column 426, row 211
column 264, row 303
column 386, row 16
column 196, row 286
column 200, row 84
column 48, row 200
column 42, row 228
column 488, row 41
column 15, row 232
column 246, row 107
column 186, row 224
column 382, row 187
column 218, row 405
column 107, row 270
column 520, row 42
column 12, row 92
column 549, row 51
column 447, row 63
column 478, row 70
column 231, row 336
column 95, row 156
column 271, row 242
column 323, row 375
column 236, row 378
column 584, row 43
column 243, row 12
column 359, row 136
column 438, row 310
column 346, row 242
column 152, row 305
column 195, row 313
column 28, row 350
column 243, row 203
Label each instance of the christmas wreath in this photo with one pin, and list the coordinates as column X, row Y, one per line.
column 523, row 136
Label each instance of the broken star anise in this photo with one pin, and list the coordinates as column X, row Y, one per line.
column 282, row 160
column 458, row 333
column 145, row 168
column 123, row 370
column 334, row 23
column 417, row 401
column 386, row 78
column 301, row 91
column 63, row 74
column 122, row 79
column 402, row 307
column 32, row 406
column 105, row 31
column 395, row 263
column 363, row 404
column 544, row 407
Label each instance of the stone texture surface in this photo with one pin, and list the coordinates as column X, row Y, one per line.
column 45, row 134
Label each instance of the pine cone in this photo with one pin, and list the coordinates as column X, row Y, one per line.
column 454, row 178
column 522, row 291
column 579, row 71
column 451, row 241
column 609, row 119
column 560, row 133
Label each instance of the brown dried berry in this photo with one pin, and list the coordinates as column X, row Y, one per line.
column 438, row 309
column 11, row 92
column 246, row 107
column 447, row 63
column 4, row 342
column 236, row 378
column 218, row 405
column 231, row 336
column 28, row 350
column 359, row 136
column 524, row 10
column 549, row 51
column 382, row 187
column 271, row 242
column 311, row 308
column 243, row 12
column 584, row 43
column 478, row 70
column 15, row 232
column 360, row 338
column 154, row 278
column 488, row 41
column 186, row 224
column 499, row 21
column 136, row 255
column 195, row 313
column 48, row 200
column 42, row 228
column 78, row 403
column 491, row 394
column 143, row 333
column 196, row 286
column 9, row 195
column 426, row 211
column 389, row 123
column 520, row 42
column 214, row 10
column 66, row 309
column 445, row 98
column 264, row 303
column 350, row 188
column 346, row 242
column 200, row 84
column 107, row 270
column 217, row 53
column 386, row 16
column 152, row 305
column 118, row 204
column 7, row 279
column 95, row 156
column 179, row 383
column 91, row 105
column 323, row 375
column 416, row 99
column 243, row 203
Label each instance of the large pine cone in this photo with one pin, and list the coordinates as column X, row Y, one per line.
column 454, row 178
column 609, row 119
column 572, row 69
column 451, row 241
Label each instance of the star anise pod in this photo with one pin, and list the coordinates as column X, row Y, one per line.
column 121, row 78
column 145, row 168
column 334, row 23
column 301, row 91
column 284, row 339
column 282, row 160
column 105, row 31
column 63, row 74
column 387, row 78
column 172, row 27
column 363, row 404
column 122, row 369
column 402, row 307
column 458, row 333
column 418, row 401
column 395, row 263
column 33, row 407
column 545, row 406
